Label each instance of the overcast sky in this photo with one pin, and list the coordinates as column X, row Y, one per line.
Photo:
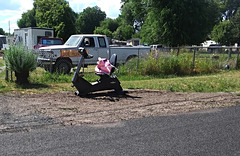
column 11, row 10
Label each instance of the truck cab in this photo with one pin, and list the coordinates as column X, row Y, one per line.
column 96, row 45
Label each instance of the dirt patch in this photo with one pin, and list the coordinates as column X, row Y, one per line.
column 26, row 112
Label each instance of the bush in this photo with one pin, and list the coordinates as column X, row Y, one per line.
column 20, row 61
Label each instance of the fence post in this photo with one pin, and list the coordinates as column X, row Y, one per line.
column 237, row 58
column 229, row 54
column 138, row 59
column 6, row 76
column 178, row 50
column 194, row 54
column 11, row 76
column 51, row 60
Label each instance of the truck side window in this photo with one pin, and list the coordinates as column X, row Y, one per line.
column 101, row 42
column 88, row 42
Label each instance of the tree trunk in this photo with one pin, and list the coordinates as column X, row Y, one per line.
column 22, row 78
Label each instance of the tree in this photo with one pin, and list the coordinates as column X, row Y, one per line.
column 222, row 33
column 107, row 27
column 89, row 19
column 228, row 8
column 56, row 14
column 133, row 13
column 228, row 32
column 104, row 31
column 124, row 32
column 179, row 22
column 2, row 32
column 28, row 19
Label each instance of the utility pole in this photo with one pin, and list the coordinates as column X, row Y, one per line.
column 6, row 76
column 9, row 27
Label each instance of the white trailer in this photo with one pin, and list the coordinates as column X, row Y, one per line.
column 2, row 41
column 31, row 35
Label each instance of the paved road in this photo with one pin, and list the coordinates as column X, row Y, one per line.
column 211, row 133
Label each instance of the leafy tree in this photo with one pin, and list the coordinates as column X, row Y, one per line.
column 2, row 32
column 104, row 31
column 228, row 32
column 124, row 32
column 89, row 19
column 222, row 33
column 111, row 24
column 127, row 13
column 28, row 19
column 56, row 14
column 179, row 22
column 228, row 8
column 133, row 13
column 107, row 27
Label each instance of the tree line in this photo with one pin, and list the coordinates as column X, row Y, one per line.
column 170, row 23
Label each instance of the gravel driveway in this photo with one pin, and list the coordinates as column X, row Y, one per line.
column 26, row 112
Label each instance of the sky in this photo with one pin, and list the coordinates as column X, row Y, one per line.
column 11, row 10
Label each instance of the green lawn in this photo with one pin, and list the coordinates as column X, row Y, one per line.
column 225, row 81
column 2, row 62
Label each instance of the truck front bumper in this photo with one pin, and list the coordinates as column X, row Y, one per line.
column 45, row 61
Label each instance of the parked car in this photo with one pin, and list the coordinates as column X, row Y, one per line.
column 45, row 42
column 214, row 48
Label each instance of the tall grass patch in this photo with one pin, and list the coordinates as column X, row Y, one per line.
column 180, row 65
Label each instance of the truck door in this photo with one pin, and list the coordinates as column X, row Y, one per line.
column 89, row 44
column 103, row 50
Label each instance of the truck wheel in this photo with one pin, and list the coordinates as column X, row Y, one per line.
column 63, row 66
column 130, row 57
column 49, row 68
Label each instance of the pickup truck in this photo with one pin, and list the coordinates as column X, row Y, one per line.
column 46, row 41
column 64, row 57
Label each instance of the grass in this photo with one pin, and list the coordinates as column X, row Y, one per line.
column 2, row 62
column 207, row 80
column 225, row 81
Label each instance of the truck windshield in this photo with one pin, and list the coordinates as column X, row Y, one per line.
column 52, row 41
column 73, row 41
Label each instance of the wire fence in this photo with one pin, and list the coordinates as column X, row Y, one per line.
column 227, row 57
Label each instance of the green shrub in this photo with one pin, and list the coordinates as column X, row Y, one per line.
column 20, row 60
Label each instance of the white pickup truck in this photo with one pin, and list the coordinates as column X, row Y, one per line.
column 63, row 57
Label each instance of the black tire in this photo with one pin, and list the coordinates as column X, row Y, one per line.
column 49, row 68
column 130, row 57
column 63, row 66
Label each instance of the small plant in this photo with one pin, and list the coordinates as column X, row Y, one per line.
column 21, row 62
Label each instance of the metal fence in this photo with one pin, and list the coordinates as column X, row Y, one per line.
column 226, row 56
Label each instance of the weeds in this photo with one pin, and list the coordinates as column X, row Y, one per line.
column 166, row 72
column 165, row 65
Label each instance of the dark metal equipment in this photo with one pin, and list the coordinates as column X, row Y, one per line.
column 106, row 81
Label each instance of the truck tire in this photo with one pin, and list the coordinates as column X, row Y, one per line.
column 49, row 68
column 130, row 57
column 63, row 66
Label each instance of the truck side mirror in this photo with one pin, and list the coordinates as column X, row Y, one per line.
column 84, row 53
